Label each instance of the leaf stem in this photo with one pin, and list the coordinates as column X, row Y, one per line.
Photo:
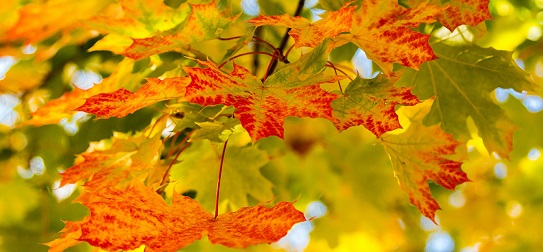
column 160, row 189
column 219, row 181
column 284, row 42
column 336, row 69
column 244, row 54
column 230, row 38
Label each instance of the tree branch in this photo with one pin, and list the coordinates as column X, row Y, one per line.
column 284, row 42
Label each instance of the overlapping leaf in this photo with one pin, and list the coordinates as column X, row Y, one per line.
column 310, row 34
column 462, row 81
column 371, row 102
column 460, row 12
column 122, row 152
column 205, row 22
column 383, row 30
column 64, row 106
column 422, row 154
column 38, row 21
column 151, row 222
column 123, row 102
column 138, row 18
column 263, row 107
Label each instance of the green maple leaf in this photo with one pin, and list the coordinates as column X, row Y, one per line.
column 241, row 174
column 461, row 81
column 216, row 131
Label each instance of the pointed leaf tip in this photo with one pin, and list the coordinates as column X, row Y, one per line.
column 418, row 158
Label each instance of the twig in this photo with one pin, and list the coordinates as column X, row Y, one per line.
column 284, row 42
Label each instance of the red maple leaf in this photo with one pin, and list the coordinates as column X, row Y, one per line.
column 261, row 107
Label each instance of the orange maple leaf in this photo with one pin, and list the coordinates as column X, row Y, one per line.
column 38, row 21
column 310, row 34
column 371, row 102
column 417, row 158
column 64, row 106
column 460, row 12
column 205, row 22
column 137, row 18
column 123, row 102
column 261, row 107
column 143, row 218
column 122, row 153
column 383, row 30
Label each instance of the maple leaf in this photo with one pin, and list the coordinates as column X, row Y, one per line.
column 64, row 106
column 382, row 30
column 310, row 34
column 138, row 19
column 205, row 22
column 417, row 158
column 263, row 107
column 123, row 102
column 216, row 131
column 461, row 94
column 241, row 177
column 122, row 152
column 38, row 21
column 460, row 12
column 143, row 218
column 371, row 102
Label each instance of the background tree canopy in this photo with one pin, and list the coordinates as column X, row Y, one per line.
column 368, row 117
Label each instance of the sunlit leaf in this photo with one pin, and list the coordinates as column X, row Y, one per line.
column 461, row 94
column 460, row 12
column 383, row 30
column 310, row 34
column 419, row 158
column 204, row 22
column 40, row 20
column 123, row 102
column 151, row 222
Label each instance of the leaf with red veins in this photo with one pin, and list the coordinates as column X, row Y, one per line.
column 143, row 218
column 256, row 225
column 91, row 163
column 205, row 22
column 310, row 34
column 123, row 102
column 371, row 102
column 383, row 30
column 417, row 158
column 261, row 107
column 460, row 12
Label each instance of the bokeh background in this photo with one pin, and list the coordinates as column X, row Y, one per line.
column 343, row 178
